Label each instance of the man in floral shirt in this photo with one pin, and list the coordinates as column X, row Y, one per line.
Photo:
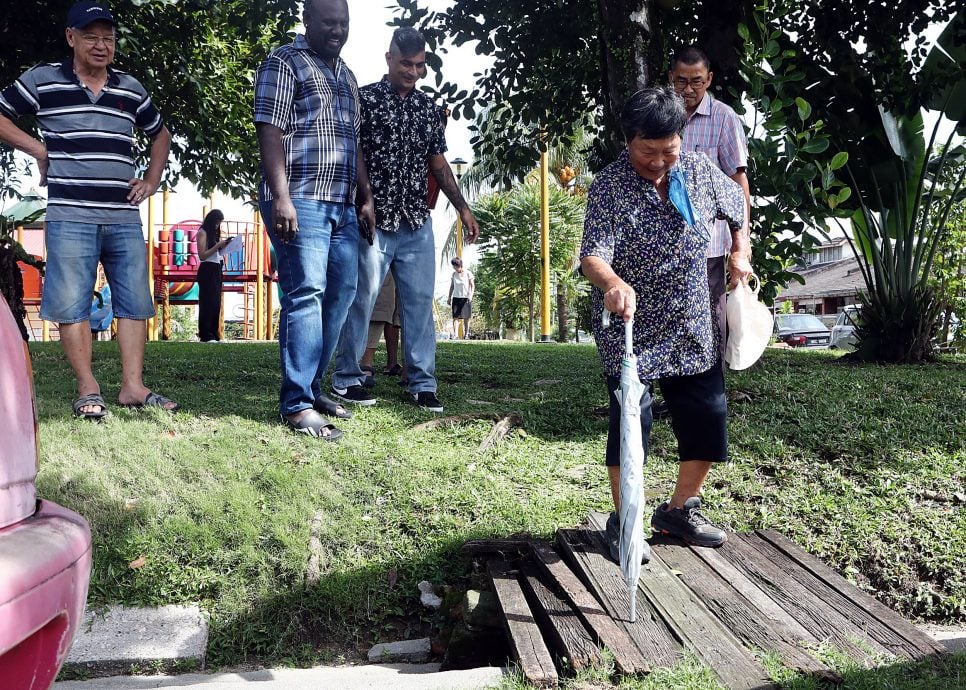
column 402, row 139
column 644, row 250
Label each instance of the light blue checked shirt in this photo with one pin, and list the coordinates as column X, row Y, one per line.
column 317, row 110
column 715, row 130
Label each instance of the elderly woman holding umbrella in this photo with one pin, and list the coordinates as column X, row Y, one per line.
column 644, row 251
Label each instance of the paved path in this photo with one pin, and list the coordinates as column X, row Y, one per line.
column 369, row 677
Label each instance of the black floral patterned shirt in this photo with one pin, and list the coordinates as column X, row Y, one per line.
column 650, row 246
column 398, row 137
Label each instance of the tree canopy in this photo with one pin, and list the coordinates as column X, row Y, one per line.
column 196, row 58
column 558, row 64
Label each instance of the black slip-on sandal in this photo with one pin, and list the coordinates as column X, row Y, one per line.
column 86, row 401
column 315, row 425
column 327, row 405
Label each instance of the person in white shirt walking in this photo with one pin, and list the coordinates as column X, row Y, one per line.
column 461, row 287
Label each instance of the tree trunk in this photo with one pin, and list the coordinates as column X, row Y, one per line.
column 627, row 56
column 561, row 313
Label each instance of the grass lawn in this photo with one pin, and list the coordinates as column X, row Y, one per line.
column 303, row 551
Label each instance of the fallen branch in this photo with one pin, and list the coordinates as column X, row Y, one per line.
column 443, row 422
column 500, row 430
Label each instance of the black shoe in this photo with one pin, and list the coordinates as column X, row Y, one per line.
column 357, row 395
column 612, row 535
column 688, row 524
column 659, row 409
column 370, row 380
column 428, row 401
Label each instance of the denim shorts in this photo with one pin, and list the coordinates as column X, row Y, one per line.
column 73, row 251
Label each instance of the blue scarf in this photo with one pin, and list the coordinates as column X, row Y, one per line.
column 677, row 193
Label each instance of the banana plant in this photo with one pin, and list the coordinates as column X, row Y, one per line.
column 896, row 231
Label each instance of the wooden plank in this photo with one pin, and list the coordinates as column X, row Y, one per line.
column 824, row 622
column 921, row 644
column 528, row 646
column 755, row 628
column 700, row 631
column 861, row 623
column 735, row 577
column 627, row 657
column 585, row 551
column 562, row 628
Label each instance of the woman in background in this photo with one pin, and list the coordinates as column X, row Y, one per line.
column 210, row 248
column 461, row 288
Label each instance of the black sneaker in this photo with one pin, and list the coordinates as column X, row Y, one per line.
column 357, row 395
column 660, row 409
column 688, row 524
column 428, row 401
column 612, row 535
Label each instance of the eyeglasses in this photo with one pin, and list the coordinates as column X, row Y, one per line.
column 91, row 40
column 681, row 83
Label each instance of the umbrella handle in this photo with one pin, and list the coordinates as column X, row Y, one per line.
column 628, row 332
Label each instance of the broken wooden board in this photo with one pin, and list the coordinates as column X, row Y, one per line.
column 755, row 628
column 919, row 643
column 627, row 657
column 563, row 630
column 584, row 550
column 700, row 631
column 526, row 641
column 823, row 622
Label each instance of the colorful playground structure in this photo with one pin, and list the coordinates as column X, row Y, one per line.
column 173, row 265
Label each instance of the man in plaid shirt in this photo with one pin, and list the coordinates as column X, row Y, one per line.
column 714, row 129
column 313, row 176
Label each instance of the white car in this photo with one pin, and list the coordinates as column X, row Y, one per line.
column 843, row 332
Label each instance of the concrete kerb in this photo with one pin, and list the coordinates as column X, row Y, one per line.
column 120, row 640
column 395, row 676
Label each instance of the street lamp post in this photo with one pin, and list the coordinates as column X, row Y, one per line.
column 459, row 167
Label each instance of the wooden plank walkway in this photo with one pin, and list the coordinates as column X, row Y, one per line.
column 758, row 592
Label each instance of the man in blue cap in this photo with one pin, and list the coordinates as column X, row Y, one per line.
column 86, row 112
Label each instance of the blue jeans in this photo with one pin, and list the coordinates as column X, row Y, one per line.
column 73, row 250
column 317, row 273
column 411, row 256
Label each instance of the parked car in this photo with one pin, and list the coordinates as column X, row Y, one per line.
column 843, row 332
column 801, row 330
column 45, row 550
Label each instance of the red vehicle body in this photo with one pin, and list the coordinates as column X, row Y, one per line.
column 45, row 550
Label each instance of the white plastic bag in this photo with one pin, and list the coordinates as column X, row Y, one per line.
column 749, row 325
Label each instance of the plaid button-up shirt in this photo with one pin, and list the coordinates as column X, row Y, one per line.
column 715, row 130
column 317, row 110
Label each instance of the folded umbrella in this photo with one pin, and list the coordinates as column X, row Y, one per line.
column 631, row 513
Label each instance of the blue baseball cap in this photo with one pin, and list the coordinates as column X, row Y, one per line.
column 86, row 12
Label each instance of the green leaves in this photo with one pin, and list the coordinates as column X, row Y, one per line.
column 839, row 160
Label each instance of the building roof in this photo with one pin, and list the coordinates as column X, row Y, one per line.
column 836, row 279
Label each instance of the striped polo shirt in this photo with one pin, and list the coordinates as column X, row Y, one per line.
column 715, row 130
column 317, row 109
column 89, row 139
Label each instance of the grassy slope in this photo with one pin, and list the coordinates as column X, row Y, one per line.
column 860, row 465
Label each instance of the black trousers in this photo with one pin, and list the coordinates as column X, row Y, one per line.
column 209, row 300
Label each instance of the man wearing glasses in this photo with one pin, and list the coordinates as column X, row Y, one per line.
column 714, row 129
column 86, row 113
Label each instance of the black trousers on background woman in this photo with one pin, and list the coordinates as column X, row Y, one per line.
column 209, row 300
